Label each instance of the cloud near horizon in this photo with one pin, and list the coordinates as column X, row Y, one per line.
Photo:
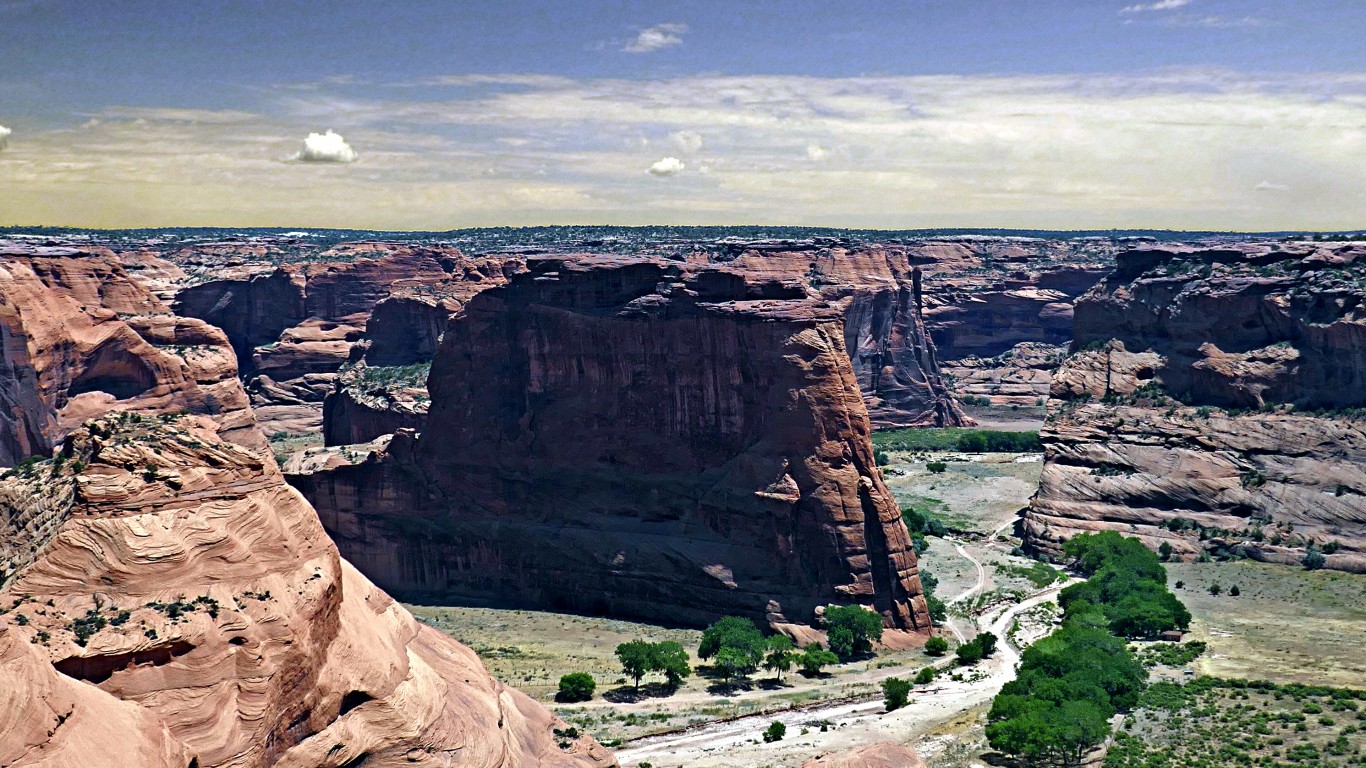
column 5, row 133
column 1170, row 150
column 656, row 38
column 327, row 147
column 669, row 166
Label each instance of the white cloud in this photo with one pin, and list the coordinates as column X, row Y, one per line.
column 1215, row 22
column 4, row 136
column 1267, row 186
column 1160, row 5
column 815, row 152
column 327, row 147
column 657, row 37
column 688, row 141
column 669, row 166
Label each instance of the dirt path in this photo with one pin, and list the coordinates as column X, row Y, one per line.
column 848, row 723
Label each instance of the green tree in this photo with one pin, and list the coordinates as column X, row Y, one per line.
column 895, row 693
column 1164, row 551
column 987, row 641
column 969, row 653
column 925, row 676
column 851, row 630
column 732, row 632
column 781, row 655
column 576, row 686
column 936, row 646
column 670, row 658
column 1314, row 559
column 637, row 659
column 814, row 658
column 936, row 467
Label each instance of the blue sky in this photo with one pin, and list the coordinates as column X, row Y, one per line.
column 1247, row 114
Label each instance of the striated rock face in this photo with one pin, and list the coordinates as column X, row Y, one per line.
column 637, row 438
column 79, row 338
column 879, row 291
column 214, row 624
column 1023, row 375
column 1216, row 405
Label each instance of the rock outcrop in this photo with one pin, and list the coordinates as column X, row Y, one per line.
column 1215, row 403
column 79, row 337
column 214, row 624
column 639, row 438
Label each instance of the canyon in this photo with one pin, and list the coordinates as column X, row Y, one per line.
column 166, row 598
column 1213, row 404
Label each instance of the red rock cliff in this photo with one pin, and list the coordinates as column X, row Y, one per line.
column 1215, row 404
column 637, row 438
column 79, row 338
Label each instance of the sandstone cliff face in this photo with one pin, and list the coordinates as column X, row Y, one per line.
column 1216, row 405
column 636, row 438
column 879, row 291
column 79, row 338
column 296, row 324
column 216, row 625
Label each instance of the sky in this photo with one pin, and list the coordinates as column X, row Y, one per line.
column 440, row 114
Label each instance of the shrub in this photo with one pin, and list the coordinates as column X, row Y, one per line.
column 881, row 458
column 936, row 646
column 895, row 693
column 576, row 686
column 1314, row 560
column 969, row 653
column 937, row 467
column 925, row 676
column 775, row 732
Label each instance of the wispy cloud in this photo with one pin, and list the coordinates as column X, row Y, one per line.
column 658, row 37
column 1215, row 22
column 1160, row 5
column 1175, row 149
column 1267, row 186
column 5, row 133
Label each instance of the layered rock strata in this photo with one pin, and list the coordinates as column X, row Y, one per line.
column 213, row 624
column 79, row 337
column 1215, row 404
column 637, row 438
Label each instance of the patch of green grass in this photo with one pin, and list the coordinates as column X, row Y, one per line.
column 957, row 439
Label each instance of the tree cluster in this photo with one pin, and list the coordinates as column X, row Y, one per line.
column 980, row 647
column 1125, row 582
column 639, row 658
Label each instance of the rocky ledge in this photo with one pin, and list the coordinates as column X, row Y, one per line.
column 1216, row 402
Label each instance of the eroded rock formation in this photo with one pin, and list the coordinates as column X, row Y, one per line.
column 79, row 338
column 1215, row 404
column 639, row 438
column 214, row 624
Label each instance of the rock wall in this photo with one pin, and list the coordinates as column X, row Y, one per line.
column 79, row 338
column 213, row 623
column 1215, row 403
column 636, row 438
